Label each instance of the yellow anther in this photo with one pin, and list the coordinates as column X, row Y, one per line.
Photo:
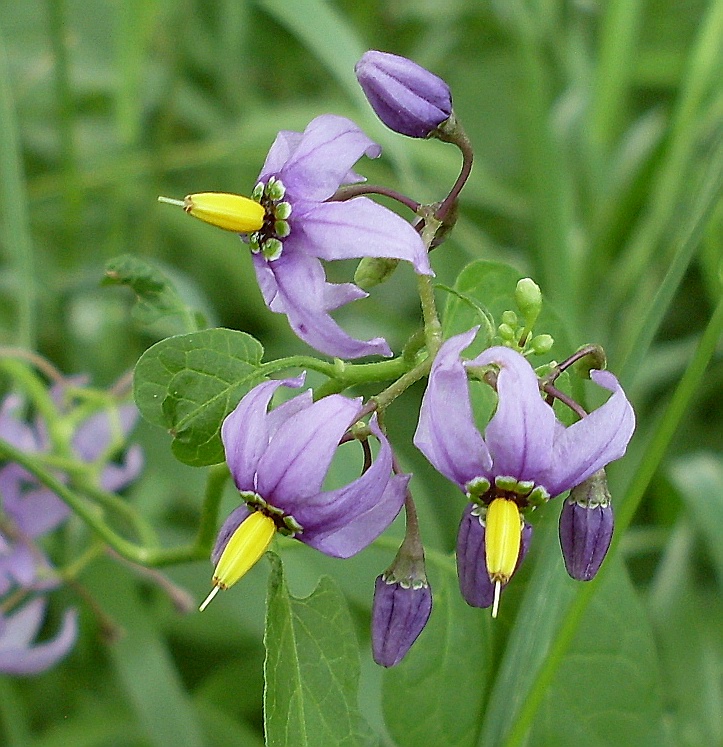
column 503, row 532
column 230, row 212
column 247, row 544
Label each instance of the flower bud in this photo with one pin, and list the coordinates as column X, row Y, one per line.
column 528, row 298
column 406, row 97
column 373, row 271
column 586, row 527
column 595, row 359
column 399, row 614
column 541, row 344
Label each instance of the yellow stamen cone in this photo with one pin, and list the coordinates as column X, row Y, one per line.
column 230, row 212
column 503, row 533
column 247, row 544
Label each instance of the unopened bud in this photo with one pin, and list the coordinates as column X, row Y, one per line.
column 595, row 359
column 541, row 344
column 399, row 613
column 406, row 97
column 373, row 271
column 528, row 298
column 586, row 527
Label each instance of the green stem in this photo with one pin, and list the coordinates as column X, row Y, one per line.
column 432, row 325
column 148, row 556
column 208, row 526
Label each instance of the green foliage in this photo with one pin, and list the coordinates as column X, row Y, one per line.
column 189, row 383
column 312, row 668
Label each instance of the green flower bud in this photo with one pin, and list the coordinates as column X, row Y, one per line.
column 541, row 344
column 373, row 271
column 594, row 360
column 506, row 332
column 528, row 298
column 509, row 318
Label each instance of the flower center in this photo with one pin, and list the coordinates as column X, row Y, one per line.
column 268, row 239
column 285, row 523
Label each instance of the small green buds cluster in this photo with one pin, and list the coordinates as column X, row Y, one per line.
column 516, row 334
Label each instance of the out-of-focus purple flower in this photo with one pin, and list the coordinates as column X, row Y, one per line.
column 18, row 654
column 526, row 455
column 30, row 510
column 399, row 613
column 302, row 171
column 586, row 527
column 405, row 96
column 279, row 460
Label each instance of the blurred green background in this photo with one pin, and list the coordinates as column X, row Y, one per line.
column 598, row 133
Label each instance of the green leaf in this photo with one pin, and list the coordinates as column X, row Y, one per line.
column 156, row 296
column 189, row 383
column 311, row 668
column 606, row 692
column 451, row 657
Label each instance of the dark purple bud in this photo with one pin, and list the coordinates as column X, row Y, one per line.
column 399, row 614
column 406, row 97
column 474, row 581
column 586, row 527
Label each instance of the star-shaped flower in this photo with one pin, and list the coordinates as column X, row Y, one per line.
column 526, row 455
column 279, row 460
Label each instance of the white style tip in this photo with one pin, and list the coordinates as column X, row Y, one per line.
column 208, row 599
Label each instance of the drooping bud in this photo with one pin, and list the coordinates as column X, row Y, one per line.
column 528, row 298
column 586, row 527
column 230, row 212
column 242, row 551
column 406, row 97
column 399, row 613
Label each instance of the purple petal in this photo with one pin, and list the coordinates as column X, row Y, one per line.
column 232, row 523
column 12, row 429
column 598, row 439
column 322, row 158
column 520, row 434
column 117, row 476
column 446, row 433
column 399, row 615
column 342, row 522
column 40, row 511
column 286, row 142
column 298, row 456
column 361, row 228
column 474, row 581
column 299, row 289
column 245, row 431
column 95, row 434
column 18, row 656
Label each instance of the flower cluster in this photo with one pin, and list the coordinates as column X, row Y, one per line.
column 308, row 206
column 29, row 511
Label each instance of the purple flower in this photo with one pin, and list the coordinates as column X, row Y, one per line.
column 302, row 171
column 406, row 97
column 526, row 455
column 399, row 613
column 279, row 460
column 586, row 527
column 18, row 655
